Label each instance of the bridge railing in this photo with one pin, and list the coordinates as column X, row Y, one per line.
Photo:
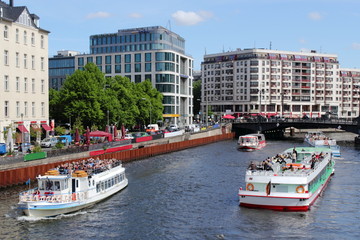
column 297, row 120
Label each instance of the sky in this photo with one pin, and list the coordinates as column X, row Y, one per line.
column 210, row 26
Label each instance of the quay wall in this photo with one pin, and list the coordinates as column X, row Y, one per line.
column 27, row 170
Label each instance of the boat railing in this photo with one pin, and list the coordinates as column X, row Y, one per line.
column 33, row 195
column 287, row 173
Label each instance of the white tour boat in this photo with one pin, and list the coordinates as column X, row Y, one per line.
column 319, row 139
column 292, row 181
column 62, row 190
column 251, row 142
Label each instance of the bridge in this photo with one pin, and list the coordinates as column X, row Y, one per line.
column 276, row 127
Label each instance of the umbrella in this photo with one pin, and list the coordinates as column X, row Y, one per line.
column 228, row 117
column 87, row 136
column 9, row 140
column 123, row 131
column 77, row 136
column 115, row 132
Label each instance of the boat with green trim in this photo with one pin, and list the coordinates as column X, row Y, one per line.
column 290, row 181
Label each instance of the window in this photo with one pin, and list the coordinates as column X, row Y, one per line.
column 6, row 83
column 6, row 109
column 42, row 86
column 25, row 108
column 147, row 57
column 42, row 64
column 32, row 62
column 42, row 41
column 17, row 61
column 107, row 59
column 108, row 69
column 25, row 85
column 147, row 67
column 25, row 37
column 6, row 57
column 138, row 57
column 17, row 108
column 42, row 109
column 33, row 85
column 25, row 60
column 127, row 58
column 127, row 68
column 89, row 59
column 137, row 67
column 137, row 78
column 98, row 60
column 117, row 68
column 33, row 109
column 33, row 39
column 6, row 32
column 17, row 35
column 17, row 84
column 117, row 58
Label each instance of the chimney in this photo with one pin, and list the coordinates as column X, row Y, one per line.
column 11, row 3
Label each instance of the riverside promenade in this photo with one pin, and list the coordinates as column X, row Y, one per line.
column 20, row 172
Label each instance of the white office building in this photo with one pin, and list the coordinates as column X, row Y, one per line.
column 283, row 83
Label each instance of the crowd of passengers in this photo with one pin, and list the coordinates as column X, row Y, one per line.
column 91, row 166
column 268, row 163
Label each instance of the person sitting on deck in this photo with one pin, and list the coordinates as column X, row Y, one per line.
column 252, row 166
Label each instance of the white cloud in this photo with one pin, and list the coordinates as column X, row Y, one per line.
column 191, row 18
column 135, row 15
column 355, row 46
column 98, row 15
column 315, row 16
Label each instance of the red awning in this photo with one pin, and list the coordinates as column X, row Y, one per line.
column 46, row 127
column 22, row 128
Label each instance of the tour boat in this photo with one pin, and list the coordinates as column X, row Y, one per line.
column 319, row 139
column 251, row 142
column 292, row 181
column 61, row 191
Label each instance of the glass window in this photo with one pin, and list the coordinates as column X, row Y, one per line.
column 81, row 61
column 42, row 63
column 25, row 60
column 117, row 58
column 32, row 39
column 17, row 61
column 138, row 67
column 107, row 59
column 117, row 68
column 25, row 37
column 89, row 59
column 17, row 84
column 127, row 58
column 6, row 57
column 137, row 57
column 42, row 86
column 6, row 83
column 17, row 35
column 42, row 41
column 147, row 67
column 148, row 77
column 98, row 60
column 127, row 68
column 6, row 108
column 6, row 32
column 108, row 69
column 147, row 57
column 137, row 78
column 32, row 62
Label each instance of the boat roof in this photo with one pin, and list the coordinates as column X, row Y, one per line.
column 309, row 149
column 253, row 135
column 53, row 177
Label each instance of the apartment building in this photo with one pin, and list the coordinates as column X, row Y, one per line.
column 272, row 82
column 23, row 72
column 150, row 53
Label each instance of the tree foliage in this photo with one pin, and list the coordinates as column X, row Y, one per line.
column 94, row 100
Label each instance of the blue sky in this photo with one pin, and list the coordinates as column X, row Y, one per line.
column 328, row 26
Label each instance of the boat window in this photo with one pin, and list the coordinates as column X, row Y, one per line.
column 98, row 187
column 41, row 185
column 282, row 188
column 57, row 186
column 77, row 183
column 93, row 183
column 49, row 185
column 65, row 184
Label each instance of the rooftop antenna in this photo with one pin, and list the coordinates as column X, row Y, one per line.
column 205, row 51
column 270, row 45
column 254, row 44
column 223, row 49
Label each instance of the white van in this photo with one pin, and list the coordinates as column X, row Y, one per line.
column 49, row 142
column 152, row 128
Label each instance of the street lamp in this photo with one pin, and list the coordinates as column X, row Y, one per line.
column 150, row 107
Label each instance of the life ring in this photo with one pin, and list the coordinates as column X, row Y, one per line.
column 300, row 189
column 249, row 187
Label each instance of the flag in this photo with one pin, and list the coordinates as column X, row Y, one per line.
column 27, row 182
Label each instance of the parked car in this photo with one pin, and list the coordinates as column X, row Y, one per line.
column 128, row 136
column 49, row 142
column 173, row 127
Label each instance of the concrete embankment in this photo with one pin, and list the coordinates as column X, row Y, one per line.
column 338, row 135
column 13, row 174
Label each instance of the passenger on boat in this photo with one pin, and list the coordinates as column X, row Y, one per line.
column 294, row 155
column 268, row 165
column 252, row 166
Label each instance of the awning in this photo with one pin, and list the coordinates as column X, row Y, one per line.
column 46, row 127
column 22, row 128
column 35, row 126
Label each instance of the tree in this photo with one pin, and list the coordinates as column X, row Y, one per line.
column 197, row 96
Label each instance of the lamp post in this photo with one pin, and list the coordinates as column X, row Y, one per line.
column 150, row 107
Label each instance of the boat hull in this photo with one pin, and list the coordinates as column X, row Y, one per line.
column 273, row 202
column 249, row 148
column 46, row 209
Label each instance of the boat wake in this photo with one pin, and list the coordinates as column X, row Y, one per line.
column 61, row 216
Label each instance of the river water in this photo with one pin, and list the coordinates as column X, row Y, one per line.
column 192, row 194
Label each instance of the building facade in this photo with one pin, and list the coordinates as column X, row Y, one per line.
column 151, row 53
column 23, row 72
column 283, row 83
